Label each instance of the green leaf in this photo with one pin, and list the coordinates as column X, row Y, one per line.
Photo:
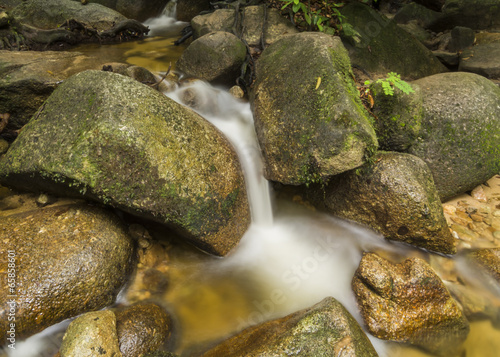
column 296, row 7
column 308, row 18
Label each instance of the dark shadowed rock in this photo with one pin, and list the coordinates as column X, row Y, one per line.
column 309, row 120
column 93, row 334
column 476, row 14
column 325, row 329
column 126, row 144
column 482, row 59
column 142, row 328
column 395, row 196
column 70, row 259
column 216, row 57
column 408, row 302
column 460, row 131
column 188, row 9
column 139, row 10
column 381, row 46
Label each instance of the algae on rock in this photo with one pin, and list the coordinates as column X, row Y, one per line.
column 115, row 140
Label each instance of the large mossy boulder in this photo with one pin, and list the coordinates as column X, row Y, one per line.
column 126, row 144
column 28, row 78
column 216, row 57
column 395, row 195
column 379, row 45
column 309, row 119
column 68, row 258
column 476, row 14
column 408, row 302
column 459, row 137
column 325, row 329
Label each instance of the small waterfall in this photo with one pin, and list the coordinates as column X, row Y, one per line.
column 166, row 25
column 233, row 118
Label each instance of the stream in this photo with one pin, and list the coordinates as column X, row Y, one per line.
column 290, row 258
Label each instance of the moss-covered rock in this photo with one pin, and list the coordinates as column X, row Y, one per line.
column 460, row 131
column 92, row 334
column 128, row 145
column 142, row 328
column 408, row 302
column 325, row 329
column 309, row 119
column 188, row 9
column 69, row 259
column 488, row 259
column 28, row 78
column 380, row 46
column 216, row 57
column 399, row 117
column 219, row 20
column 139, row 10
column 396, row 196
column 476, row 14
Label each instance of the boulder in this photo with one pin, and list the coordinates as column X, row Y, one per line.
column 461, row 38
column 139, row 10
column 395, row 195
column 92, row 334
column 216, row 57
column 378, row 45
column 325, row 329
column 188, row 9
column 476, row 14
column 83, row 259
column 309, row 119
column 28, row 78
column 125, row 144
column 259, row 26
column 482, row 59
column 408, row 302
column 424, row 16
column 435, row 5
column 46, row 24
column 142, row 328
column 459, row 137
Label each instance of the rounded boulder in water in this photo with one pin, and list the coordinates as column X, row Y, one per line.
column 68, row 259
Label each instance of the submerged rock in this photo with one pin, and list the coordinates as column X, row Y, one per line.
column 309, row 120
column 142, row 328
column 408, row 302
column 92, row 334
column 216, row 57
column 70, row 259
column 380, row 46
column 128, row 145
column 460, row 131
column 395, row 196
column 488, row 259
column 325, row 329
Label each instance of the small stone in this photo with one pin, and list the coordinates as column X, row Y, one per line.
column 477, row 217
column 473, row 227
column 43, row 200
column 484, row 210
column 496, row 213
column 478, row 194
column 496, row 234
column 463, row 215
column 464, row 233
column 471, row 210
column 237, row 92
column 495, row 223
column 449, row 209
column 459, row 220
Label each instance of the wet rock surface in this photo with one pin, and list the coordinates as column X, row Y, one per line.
column 142, row 328
column 325, row 329
column 395, row 196
column 92, row 334
column 408, row 302
column 216, row 57
column 309, row 120
column 83, row 258
column 28, row 78
column 128, row 145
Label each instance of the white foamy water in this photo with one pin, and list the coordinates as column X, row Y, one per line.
column 166, row 25
column 297, row 258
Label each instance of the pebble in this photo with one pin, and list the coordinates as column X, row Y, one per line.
column 464, row 233
column 459, row 220
column 496, row 234
column 450, row 209
column 496, row 213
column 478, row 194
column 463, row 215
column 477, row 217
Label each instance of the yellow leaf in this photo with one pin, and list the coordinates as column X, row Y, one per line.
column 318, row 83
column 49, row 72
